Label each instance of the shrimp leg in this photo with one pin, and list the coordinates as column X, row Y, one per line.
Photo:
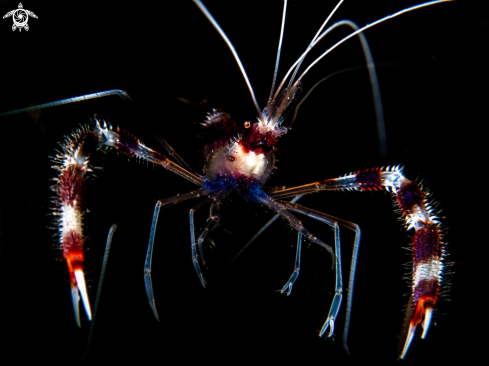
column 282, row 208
column 330, row 220
column 417, row 210
column 297, row 267
column 214, row 216
column 149, row 256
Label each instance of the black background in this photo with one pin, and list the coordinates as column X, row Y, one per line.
column 433, row 79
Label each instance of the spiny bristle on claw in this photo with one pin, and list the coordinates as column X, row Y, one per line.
column 428, row 248
column 428, row 252
column 72, row 167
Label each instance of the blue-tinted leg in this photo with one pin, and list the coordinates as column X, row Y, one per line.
column 149, row 255
column 214, row 217
column 195, row 257
column 338, row 296
column 328, row 219
column 265, row 227
column 297, row 267
column 282, row 207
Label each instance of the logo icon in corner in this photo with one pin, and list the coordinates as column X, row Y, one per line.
column 20, row 17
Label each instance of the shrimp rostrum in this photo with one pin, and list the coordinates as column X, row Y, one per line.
column 240, row 159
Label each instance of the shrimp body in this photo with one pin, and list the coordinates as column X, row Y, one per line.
column 242, row 160
column 246, row 158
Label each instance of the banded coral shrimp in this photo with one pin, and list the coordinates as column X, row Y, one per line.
column 242, row 302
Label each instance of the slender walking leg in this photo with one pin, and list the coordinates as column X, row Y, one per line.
column 266, row 226
column 214, row 216
column 124, row 96
column 195, row 258
column 418, row 213
column 356, row 246
column 281, row 208
column 108, row 244
column 297, row 267
column 149, row 255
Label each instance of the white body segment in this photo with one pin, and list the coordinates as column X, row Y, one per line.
column 234, row 159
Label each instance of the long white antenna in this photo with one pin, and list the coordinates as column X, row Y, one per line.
column 311, row 45
column 367, row 27
column 379, row 113
column 278, row 53
column 350, row 36
column 314, row 40
column 235, row 54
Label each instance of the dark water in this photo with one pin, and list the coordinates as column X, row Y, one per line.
column 433, row 78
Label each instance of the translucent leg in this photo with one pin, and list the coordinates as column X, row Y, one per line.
column 214, row 216
column 81, row 98
column 328, row 219
column 336, row 304
column 124, row 96
column 297, row 267
column 195, row 258
column 281, row 208
column 149, row 255
column 108, row 244
column 266, row 226
column 173, row 153
column 211, row 225
column 338, row 291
